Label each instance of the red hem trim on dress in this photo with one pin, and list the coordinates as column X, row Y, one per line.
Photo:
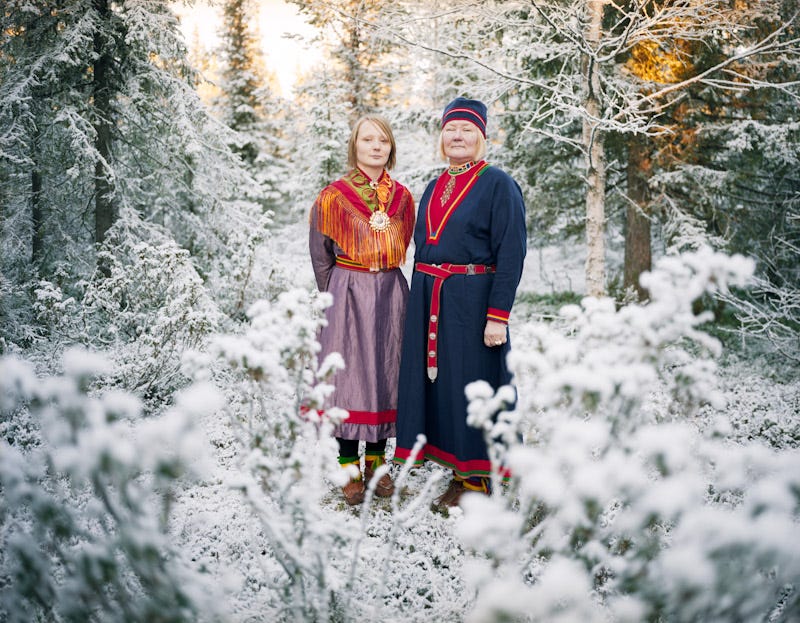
column 370, row 417
column 473, row 467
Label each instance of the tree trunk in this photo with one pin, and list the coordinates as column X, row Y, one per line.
column 104, row 213
column 354, row 69
column 37, row 220
column 37, row 214
column 595, row 161
column 638, row 252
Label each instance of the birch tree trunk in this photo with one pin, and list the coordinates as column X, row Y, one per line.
column 595, row 158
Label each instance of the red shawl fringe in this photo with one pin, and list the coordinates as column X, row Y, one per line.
column 348, row 226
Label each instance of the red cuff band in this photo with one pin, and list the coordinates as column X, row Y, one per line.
column 498, row 315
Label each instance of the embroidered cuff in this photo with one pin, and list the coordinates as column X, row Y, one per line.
column 498, row 315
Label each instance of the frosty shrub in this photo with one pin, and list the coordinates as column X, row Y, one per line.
column 33, row 313
column 619, row 506
column 83, row 523
column 288, row 447
column 150, row 309
column 54, row 310
column 231, row 271
column 321, row 562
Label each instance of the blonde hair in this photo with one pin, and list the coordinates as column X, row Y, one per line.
column 479, row 154
column 383, row 126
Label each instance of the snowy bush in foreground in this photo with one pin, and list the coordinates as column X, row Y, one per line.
column 619, row 506
column 83, row 524
column 289, row 453
column 323, row 561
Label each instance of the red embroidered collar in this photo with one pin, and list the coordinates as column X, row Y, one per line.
column 437, row 217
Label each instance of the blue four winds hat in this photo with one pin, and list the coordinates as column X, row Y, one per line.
column 473, row 111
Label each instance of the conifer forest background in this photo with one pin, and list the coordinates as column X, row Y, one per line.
column 162, row 457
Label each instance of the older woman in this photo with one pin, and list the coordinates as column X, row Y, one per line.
column 470, row 245
column 360, row 227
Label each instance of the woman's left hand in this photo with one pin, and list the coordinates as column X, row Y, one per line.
column 494, row 334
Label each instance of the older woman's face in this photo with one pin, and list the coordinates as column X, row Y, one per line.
column 460, row 141
column 372, row 146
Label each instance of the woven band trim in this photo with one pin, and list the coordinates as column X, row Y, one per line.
column 352, row 265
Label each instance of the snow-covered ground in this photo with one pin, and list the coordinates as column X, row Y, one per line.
column 410, row 563
column 656, row 475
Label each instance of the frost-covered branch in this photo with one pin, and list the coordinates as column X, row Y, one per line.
column 770, row 45
column 84, row 522
column 773, row 315
column 615, row 511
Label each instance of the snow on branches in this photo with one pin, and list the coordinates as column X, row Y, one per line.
column 619, row 505
column 87, row 498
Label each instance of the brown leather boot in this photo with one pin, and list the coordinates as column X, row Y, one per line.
column 451, row 496
column 354, row 492
column 384, row 488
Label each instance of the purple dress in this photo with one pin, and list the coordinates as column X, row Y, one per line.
column 359, row 267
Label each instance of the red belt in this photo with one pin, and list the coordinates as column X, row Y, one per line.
column 440, row 272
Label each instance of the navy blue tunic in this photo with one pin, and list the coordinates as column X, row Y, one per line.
column 487, row 227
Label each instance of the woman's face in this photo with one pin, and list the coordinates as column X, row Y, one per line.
column 460, row 141
column 372, row 146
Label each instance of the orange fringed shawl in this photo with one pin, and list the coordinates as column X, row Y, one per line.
column 343, row 216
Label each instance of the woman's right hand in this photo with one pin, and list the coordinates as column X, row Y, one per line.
column 495, row 333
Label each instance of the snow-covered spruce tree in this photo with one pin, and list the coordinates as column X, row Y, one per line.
column 749, row 201
column 357, row 58
column 87, row 488
column 178, row 169
column 733, row 179
column 242, row 74
column 619, row 506
column 322, row 130
column 758, row 88
column 248, row 101
column 43, row 95
column 354, row 78
column 147, row 147
column 147, row 311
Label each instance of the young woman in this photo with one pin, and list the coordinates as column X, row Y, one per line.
column 360, row 227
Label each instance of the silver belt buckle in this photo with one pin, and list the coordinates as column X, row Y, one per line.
column 470, row 269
